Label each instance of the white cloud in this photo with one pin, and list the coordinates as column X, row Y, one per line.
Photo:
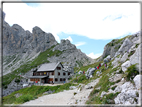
column 85, row 19
column 80, row 43
column 94, row 56
column 70, row 39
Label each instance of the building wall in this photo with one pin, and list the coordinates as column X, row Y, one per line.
column 61, row 75
column 29, row 81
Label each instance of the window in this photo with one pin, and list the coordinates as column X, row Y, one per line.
column 56, row 79
column 64, row 79
column 64, row 73
column 68, row 73
column 60, row 79
column 58, row 68
column 52, row 73
column 58, row 73
column 38, row 73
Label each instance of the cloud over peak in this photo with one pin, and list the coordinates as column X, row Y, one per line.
column 95, row 21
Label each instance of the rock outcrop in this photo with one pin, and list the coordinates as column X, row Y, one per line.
column 71, row 56
column 18, row 41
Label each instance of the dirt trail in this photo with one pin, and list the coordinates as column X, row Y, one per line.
column 66, row 97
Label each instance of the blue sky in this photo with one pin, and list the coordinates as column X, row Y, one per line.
column 90, row 26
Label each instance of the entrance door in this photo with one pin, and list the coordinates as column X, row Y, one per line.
column 50, row 80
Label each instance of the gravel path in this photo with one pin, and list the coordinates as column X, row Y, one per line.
column 66, row 97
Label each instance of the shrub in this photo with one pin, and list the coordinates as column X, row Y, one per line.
column 136, row 45
column 113, row 88
column 94, row 92
column 109, row 98
column 24, row 98
column 17, row 80
column 131, row 53
column 74, row 93
column 5, row 87
column 120, row 71
column 131, row 72
column 137, row 94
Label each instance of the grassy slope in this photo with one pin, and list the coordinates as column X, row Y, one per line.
column 33, row 92
column 42, row 58
column 36, row 91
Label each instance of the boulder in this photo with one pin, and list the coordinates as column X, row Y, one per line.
column 80, row 72
column 125, row 46
column 107, row 59
column 89, row 72
column 126, row 97
column 124, row 57
column 103, row 93
column 135, row 58
column 137, row 81
column 72, row 87
column 126, row 86
column 98, row 73
column 125, row 65
column 116, row 60
column 115, row 78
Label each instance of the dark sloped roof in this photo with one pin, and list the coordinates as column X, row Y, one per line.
column 48, row 66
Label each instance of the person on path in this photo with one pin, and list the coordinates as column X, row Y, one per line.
column 105, row 65
column 98, row 67
column 83, row 72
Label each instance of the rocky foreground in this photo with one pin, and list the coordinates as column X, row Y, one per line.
column 79, row 95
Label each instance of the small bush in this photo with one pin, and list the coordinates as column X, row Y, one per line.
column 131, row 53
column 74, row 93
column 5, row 87
column 94, row 92
column 135, row 100
column 137, row 94
column 136, row 45
column 109, row 98
column 131, row 72
column 113, row 88
column 117, row 81
column 17, row 80
column 24, row 98
column 120, row 71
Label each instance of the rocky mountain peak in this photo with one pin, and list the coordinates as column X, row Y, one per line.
column 36, row 30
column 65, row 45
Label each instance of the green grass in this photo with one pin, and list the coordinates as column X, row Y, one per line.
column 79, row 63
column 85, row 68
column 82, row 78
column 42, row 58
column 131, row 72
column 33, row 92
column 136, row 46
column 131, row 53
column 105, row 84
column 117, row 41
